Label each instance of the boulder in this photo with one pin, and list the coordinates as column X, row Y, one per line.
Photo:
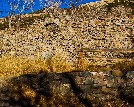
column 76, row 88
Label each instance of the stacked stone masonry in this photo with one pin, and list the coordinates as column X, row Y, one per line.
column 65, row 33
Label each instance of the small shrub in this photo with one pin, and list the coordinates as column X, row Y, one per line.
column 4, row 25
column 125, row 3
column 58, row 63
column 27, row 21
column 43, row 16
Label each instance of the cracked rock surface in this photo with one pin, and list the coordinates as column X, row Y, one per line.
column 76, row 88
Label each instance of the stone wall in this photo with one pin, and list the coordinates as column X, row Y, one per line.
column 77, row 88
column 67, row 31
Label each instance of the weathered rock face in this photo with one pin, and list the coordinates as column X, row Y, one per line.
column 78, row 89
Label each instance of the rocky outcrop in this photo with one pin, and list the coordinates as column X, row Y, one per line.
column 76, row 88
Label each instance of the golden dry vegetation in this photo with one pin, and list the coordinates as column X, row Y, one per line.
column 14, row 66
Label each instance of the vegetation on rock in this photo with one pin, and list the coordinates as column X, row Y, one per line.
column 126, row 3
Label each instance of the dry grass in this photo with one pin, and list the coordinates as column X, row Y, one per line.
column 10, row 66
column 14, row 66
column 124, row 65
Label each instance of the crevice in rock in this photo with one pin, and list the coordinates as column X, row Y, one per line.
column 77, row 91
column 127, row 98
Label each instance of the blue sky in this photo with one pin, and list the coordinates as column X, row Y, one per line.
column 4, row 6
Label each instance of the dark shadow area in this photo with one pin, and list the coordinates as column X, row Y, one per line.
column 77, row 91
